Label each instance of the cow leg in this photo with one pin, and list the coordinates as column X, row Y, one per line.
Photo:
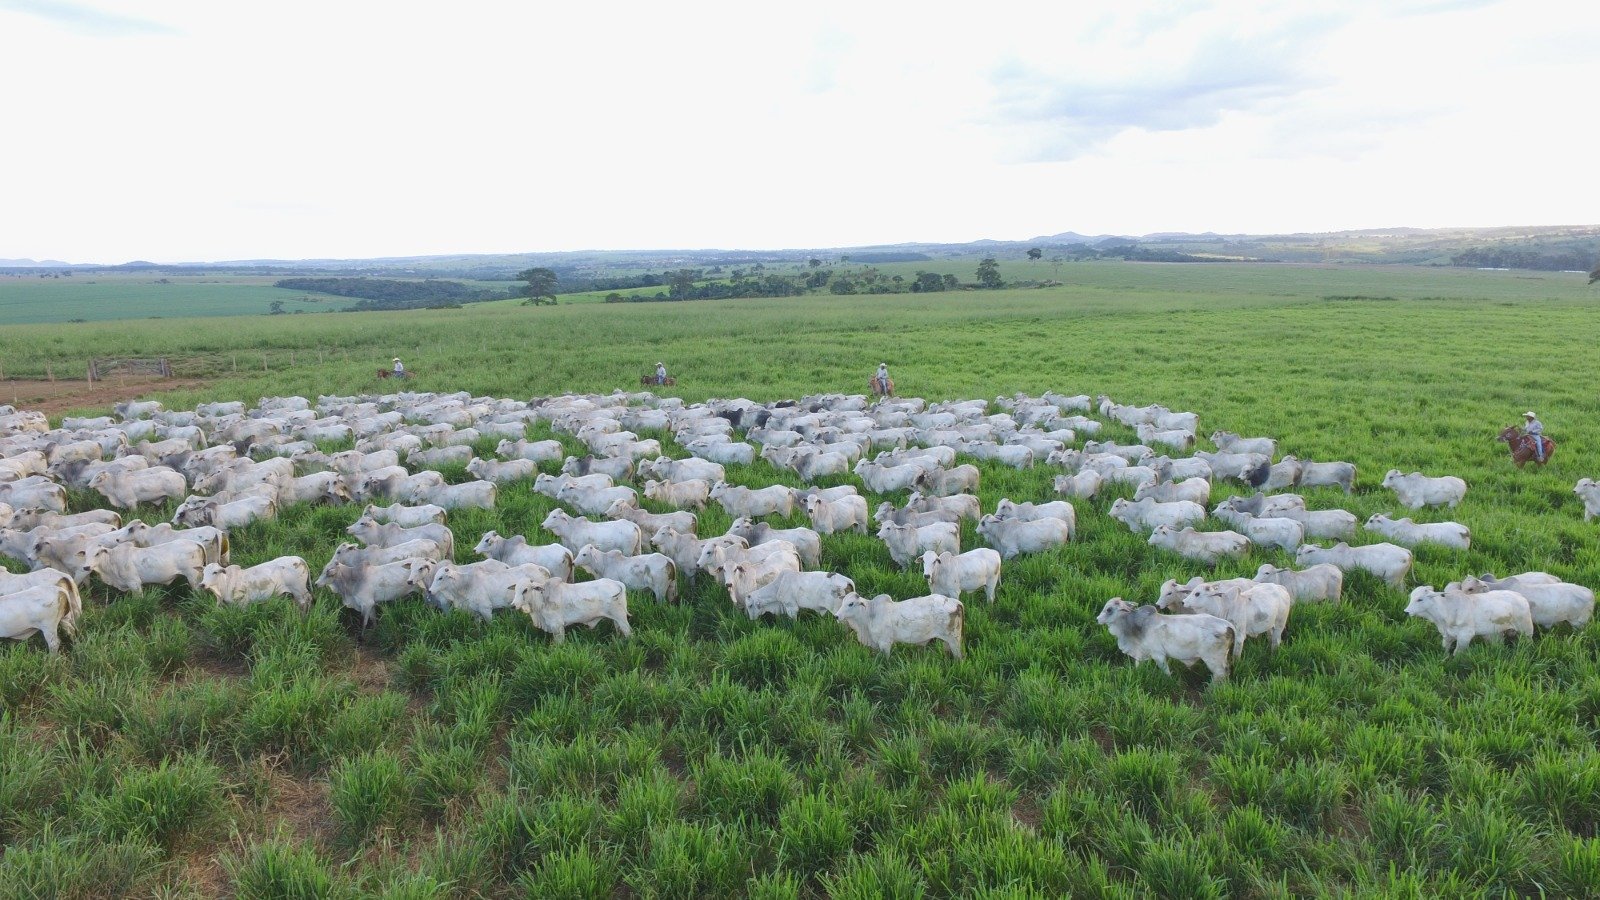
column 52, row 640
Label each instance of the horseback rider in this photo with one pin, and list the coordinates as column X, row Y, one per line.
column 399, row 368
column 883, row 377
column 1532, row 427
column 661, row 372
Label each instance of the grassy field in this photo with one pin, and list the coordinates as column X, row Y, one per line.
column 181, row 750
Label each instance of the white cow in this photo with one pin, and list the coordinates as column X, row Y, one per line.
column 1209, row 547
column 555, row 605
column 887, row 479
column 944, row 482
column 682, row 469
column 907, row 542
column 806, row 541
column 1082, row 486
column 1148, row 514
column 693, row 492
column 1012, row 537
column 1409, row 534
column 1268, row 531
column 882, row 622
column 370, row 532
column 651, row 572
column 214, row 540
column 1173, row 593
column 649, row 522
column 1418, row 490
column 1589, row 492
column 1460, row 616
column 790, row 592
column 407, row 516
column 1322, row 524
column 235, row 513
column 479, row 588
column 965, row 506
column 621, row 535
column 951, row 575
column 516, row 551
column 728, row 454
column 833, row 516
column 1319, row 582
column 1195, row 490
column 1386, row 561
column 1261, row 609
column 743, row 501
column 321, row 487
column 363, row 587
column 1228, row 442
column 1032, row 512
column 466, row 495
column 129, row 489
column 129, row 567
column 750, row 570
column 1143, row 633
column 1549, row 603
column 286, row 575
column 534, row 451
column 1332, row 474
column 500, row 472
column 46, row 609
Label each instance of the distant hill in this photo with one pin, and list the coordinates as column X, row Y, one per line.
column 1549, row 247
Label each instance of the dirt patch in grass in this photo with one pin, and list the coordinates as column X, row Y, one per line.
column 370, row 671
column 301, row 806
column 53, row 397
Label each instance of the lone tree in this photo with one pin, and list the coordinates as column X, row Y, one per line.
column 1034, row 253
column 989, row 273
column 541, row 287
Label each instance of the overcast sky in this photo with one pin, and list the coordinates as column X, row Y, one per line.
column 174, row 130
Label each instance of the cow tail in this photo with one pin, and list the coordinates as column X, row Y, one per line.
column 227, row 551
column 958, row 622
column 672, row 581
column 74, row 607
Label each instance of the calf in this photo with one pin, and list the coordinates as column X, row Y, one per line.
column 1209, row 547
column 1409, row 534
column 833, row 516
column 1012, row 537
column 45, row 609
column 516, row 551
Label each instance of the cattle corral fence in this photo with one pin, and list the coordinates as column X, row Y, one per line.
column 99, row 369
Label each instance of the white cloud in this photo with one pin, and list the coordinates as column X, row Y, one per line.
column 363, row 128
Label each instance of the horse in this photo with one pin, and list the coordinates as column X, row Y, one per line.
column 1521, row 446
column 390, row 373
column 652, row 380
column 879, row 389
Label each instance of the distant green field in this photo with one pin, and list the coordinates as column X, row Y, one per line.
column 178, row 749
column 95, row 298
column 28, row 299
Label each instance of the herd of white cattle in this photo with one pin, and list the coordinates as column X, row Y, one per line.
column 228, row 466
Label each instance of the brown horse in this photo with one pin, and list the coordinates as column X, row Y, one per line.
column 1521, row 445
column 390, row 373
column 879, row 389
column 651, row 379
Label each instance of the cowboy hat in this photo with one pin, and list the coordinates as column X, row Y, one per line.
column 397, row 359
column 1529, row 415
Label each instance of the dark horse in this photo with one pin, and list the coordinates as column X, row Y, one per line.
column 651, row 379
column 1522, row 446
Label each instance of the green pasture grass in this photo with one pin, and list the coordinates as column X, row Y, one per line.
column 715, row 756
column 97, row 298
